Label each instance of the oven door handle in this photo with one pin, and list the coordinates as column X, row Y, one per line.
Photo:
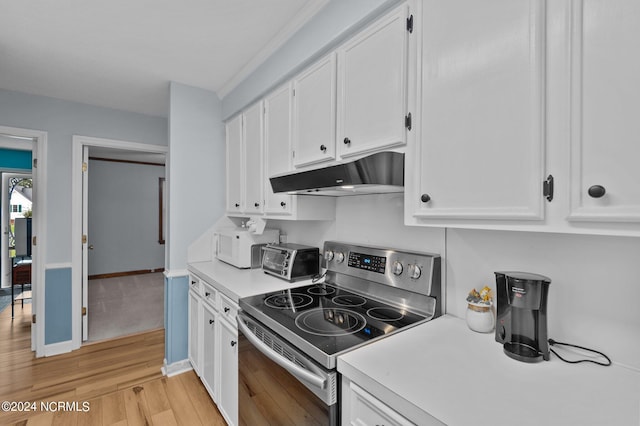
column 296, row 370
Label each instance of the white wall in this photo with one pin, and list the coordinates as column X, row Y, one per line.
column 123, row 217
column 196, row 169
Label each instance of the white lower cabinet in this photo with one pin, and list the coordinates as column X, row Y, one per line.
column 363, row 409
column 213, row 345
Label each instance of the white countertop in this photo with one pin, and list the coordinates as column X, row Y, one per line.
column 461, row 377
column 236, row 283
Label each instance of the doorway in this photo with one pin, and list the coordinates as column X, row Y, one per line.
column 112, row 212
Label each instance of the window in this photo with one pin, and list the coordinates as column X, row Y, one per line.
column 16, row 208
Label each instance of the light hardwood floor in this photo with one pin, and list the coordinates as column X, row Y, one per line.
column 120, row 379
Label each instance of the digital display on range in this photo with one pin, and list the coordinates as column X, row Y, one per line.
column 368, row 262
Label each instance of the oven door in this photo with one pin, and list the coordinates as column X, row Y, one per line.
column 278, row 384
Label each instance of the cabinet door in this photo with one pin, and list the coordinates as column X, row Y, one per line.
column 253, row 133
column 209, row 346
column 372, row 82
column 480, row 147
column 605, row 144
column 228, row 398
column 365, row 409
column 234, row 165
column 314, row 100
column 277, row 147
column 194, row 331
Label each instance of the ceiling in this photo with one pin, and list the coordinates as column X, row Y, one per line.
column 123, row 53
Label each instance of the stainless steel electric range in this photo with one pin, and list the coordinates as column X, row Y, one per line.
column 368, row 293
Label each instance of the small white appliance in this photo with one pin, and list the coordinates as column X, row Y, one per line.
column 237, row 246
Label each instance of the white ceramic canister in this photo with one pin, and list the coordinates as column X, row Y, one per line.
column 480, row 317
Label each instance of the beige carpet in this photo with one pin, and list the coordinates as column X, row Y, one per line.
column 125, row 305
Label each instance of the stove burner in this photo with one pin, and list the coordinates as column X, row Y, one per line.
column 330, row 322
column 385, row 314
column 349, row 300
column 320, row 290
column 282, row 301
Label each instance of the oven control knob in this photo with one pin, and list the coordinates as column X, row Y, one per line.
column 339, row 257
column 414, row 271
column 397, row 268
column 328, row 255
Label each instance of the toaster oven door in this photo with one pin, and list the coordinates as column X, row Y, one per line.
column 276, row 261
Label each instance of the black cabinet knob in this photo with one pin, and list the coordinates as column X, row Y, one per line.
column 237, row 205
column 283, row 204
column 227, row 309
column 425, row 198
column 347, row 141
column 207, row 294
column 257, row 204
column 233, row 343
column 211, row 321
column 596, row 191
column 323, row 148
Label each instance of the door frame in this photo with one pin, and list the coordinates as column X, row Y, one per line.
column 79, row 272
column 39, row 229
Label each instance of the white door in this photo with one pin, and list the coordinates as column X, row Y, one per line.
column 372, row 87
column 234, row 165
column 314, row 123
column 252, row 124
column 480, row 152
column 277, row 147
column 605, row 144
column 85, row 245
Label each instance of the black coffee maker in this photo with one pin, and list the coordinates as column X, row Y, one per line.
column 521, row 324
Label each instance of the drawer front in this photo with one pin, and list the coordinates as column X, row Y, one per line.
column 228, row 309
column 210, row 295
column 368, row 410
column 195, row 284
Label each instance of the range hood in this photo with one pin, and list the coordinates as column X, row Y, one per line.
column 378, row 173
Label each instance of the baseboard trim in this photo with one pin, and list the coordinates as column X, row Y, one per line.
column 176, row 368
column 125, row 273
column 53, row 349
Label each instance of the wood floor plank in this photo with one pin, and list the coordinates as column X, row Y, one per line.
column 136, row 407
column 181, row 403
column 204, row 406
column 94, row 416
column 113, row 408
column 164, row 418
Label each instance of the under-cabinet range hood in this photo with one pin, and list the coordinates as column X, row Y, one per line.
column 378, row 173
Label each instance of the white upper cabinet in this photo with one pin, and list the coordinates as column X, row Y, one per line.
column 277, row 147
column 372, row 86
column 234, row 168
column 253, row 170
column 605, row 133
column 480, row 137
column 314, row 106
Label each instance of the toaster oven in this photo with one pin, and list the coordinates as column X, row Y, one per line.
column 291, row 262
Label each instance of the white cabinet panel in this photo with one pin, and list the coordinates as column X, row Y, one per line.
column 195, row 313
column 234, row 162
column 228, row 400
column 367, row 410
column 253, row 144
column 372, row 81
column 209, row 347
column 314, row 103
column 605, row 144
column 277, row 147
column 480, row 146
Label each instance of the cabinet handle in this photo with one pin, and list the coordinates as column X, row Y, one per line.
column 193, row 283
column 207, row 294
column 211, row 321
column 237, row 205
column 323, row 148
column 425, row 198
column 226, row 309
column 283, row 204
column 233, row 343
column 597, row 191
column 347, row 141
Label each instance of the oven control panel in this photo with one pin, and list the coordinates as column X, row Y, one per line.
column 414, row 271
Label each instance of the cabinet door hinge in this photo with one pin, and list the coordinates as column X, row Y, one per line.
column 410, row 24
column 35, row 163
column 407, row 121
column 33, row 241
column 547, row 188
column 33, row 318
column 84, row 166
column 84, row 311
column 84, row 239
column 293, row 154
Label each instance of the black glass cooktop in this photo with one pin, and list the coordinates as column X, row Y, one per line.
column 328, row 318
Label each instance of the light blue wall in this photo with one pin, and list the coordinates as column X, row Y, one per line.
column 196, row 172
column 14, row 159
column 124, row 217
column 332, row 25
column 57, row 305
column 176, row 319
